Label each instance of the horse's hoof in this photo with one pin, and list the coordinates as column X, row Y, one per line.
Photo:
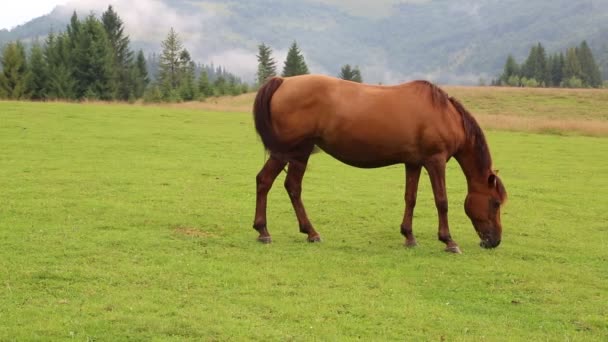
column 453, row 249
column 411, row 244
column 264, row 239
column 314, row 239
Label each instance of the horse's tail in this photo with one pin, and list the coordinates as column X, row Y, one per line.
column 262, row 115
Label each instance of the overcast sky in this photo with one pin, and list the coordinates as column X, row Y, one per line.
column 17, row 12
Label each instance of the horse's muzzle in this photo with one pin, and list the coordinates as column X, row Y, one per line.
column 489, row 244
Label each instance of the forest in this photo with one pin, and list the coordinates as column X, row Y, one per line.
column 93, row 60
column 575, row 68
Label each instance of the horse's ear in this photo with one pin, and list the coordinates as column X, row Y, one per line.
column 492, row 180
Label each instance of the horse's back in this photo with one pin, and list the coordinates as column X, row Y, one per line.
column 366, row 125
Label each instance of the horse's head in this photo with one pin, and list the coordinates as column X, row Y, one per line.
column 483, row 208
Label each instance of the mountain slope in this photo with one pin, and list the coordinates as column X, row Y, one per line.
column 391, row 40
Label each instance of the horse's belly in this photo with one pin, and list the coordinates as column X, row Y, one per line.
column 384, row 139
column 366, row 155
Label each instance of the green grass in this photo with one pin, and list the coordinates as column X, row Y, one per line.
column 134, row 223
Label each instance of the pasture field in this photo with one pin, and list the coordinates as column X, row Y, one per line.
column 535, row 110
column 125, row 222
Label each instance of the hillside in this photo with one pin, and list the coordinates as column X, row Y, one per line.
column 391, row 40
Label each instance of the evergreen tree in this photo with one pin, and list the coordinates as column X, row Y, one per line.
column 13, row 77
column 73, row 30
column 188, row 88
column 37, row 70
column 350, row 74
column 60, row 82
column 153, row 66
column 572, row 66
column 556, row 67
column 233, row 86
column 357, row 77
column 219, row 72
column 204, row 86
column 603, row 61
column 169, row 63
column 294, row 63
column 590, row 72
column 244, row 88
column 562, row 63
column 536, row 65
column 122, row 55
column 93, row 61
column 511, row 69
column 140, row 75
column 267, row 67
column 220, row 86
column 153, row 94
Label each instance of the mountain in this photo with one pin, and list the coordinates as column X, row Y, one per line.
column 391, row 40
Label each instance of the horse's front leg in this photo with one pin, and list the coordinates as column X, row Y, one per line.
column 264, row 181
column 412, row 176
column 436, row 168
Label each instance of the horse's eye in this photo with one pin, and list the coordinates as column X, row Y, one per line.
column 495, row 204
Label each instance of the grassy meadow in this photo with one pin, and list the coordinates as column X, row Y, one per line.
column 129, row 222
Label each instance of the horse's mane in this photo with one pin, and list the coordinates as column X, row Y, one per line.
column 472, row 130
column 439, row 97
column 475, row 136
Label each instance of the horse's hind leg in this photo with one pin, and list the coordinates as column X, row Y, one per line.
column 264, row 181
column 412, row 175
column 293, row 185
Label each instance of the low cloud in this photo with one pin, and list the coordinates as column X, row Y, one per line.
column 148, row 20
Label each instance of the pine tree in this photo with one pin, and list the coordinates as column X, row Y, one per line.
column 511, row 69
column 153, row 94
column 153, row 66
column 234, row 88
column 555, row 65
column 562, row 64
column 350, row 74
column 535, row 66
column 188, row 88
column 140, row 75
column 542, row 74
column 73, row 29
column 603, row 61
column 267, row 66
column 169, row 63
column 590, row 72
column 294, row 63
column 220, row 86
column 122, row 55
column 205, row 88
column 357, row 77
column 37, row 70
column 59, row 69
column 13, row 77
column 93, row 62
column 572, row 66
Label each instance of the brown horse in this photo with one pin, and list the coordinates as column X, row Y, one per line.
column 368, row 126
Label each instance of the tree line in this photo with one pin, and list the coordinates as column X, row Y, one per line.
column 294, row 65
column 181, row 79
column 574, row 68
column 92, row 60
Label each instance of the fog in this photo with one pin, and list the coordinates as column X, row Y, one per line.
column 147, row 22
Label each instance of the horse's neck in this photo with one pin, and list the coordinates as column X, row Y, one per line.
column 475, row 174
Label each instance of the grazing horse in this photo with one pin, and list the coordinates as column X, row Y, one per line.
column 367, row 126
